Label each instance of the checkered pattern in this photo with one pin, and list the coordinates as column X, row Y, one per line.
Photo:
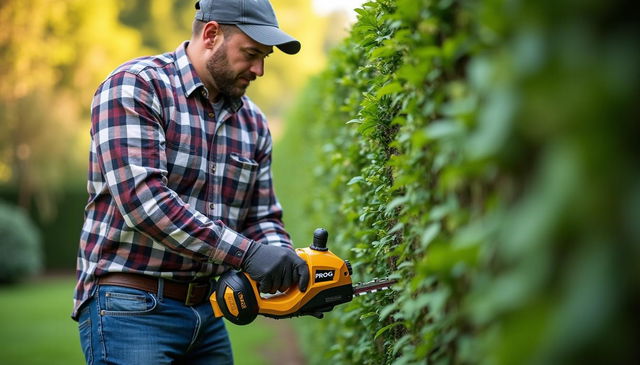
column 173, row 193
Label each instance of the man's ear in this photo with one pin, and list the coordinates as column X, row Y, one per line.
column 211, row 34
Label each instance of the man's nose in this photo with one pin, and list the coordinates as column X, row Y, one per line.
column 258, row 67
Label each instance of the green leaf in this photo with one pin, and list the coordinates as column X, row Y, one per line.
column 385, row 329
column 396, row 202
column 356, row 180
column 386, row 311
column 367, row 315
column 443, row 128
column 430, row 233
column 400, row 344
column 391, row 88
column 396, row 228
column 382, row 52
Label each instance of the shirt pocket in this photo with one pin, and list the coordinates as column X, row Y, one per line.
column 239, row 180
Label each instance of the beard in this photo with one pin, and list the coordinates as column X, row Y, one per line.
column 226, row 80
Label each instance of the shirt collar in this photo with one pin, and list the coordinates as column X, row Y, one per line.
column 191, row 82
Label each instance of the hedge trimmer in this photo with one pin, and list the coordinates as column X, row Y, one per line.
column 237, row 297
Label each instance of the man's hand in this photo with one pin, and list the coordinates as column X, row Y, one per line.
column 275, row 268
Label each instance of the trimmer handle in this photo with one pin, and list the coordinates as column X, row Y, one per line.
column 234, row 298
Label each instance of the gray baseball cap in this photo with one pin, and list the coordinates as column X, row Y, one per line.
column 255, row 18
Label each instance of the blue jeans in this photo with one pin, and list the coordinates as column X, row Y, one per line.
column 128, row 326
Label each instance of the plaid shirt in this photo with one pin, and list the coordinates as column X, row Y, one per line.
column 174, row 192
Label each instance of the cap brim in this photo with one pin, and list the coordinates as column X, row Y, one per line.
column 271, row 36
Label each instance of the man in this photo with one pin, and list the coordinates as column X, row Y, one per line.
column 180, row 190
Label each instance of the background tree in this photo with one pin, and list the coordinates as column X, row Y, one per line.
column 52, row 55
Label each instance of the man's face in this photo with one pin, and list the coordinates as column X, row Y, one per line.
column 237, row 62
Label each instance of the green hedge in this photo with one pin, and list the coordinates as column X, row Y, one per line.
column 482, row 153
column 59, row 220
column 20, row 245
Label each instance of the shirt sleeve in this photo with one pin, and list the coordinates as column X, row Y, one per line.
column 128, row 133
column 264, row 219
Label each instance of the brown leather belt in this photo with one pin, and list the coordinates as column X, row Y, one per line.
column 191, row 293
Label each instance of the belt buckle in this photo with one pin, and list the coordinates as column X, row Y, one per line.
column 190, row 290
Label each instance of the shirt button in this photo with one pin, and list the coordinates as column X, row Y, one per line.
column 211, row 115
column 213, row 167
column 212, row 206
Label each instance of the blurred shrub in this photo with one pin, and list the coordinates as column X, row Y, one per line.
column 485, row 154
column 20, row 247
column 59, row 228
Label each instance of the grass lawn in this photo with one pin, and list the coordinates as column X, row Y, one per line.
column 36, row 328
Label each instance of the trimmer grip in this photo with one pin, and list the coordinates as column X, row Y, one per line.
column 234, row 298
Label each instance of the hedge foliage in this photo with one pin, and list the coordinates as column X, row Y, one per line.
column 20, row 245
column 59, row 221
column 482, row 153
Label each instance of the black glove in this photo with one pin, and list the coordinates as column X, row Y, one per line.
column 275, row 268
